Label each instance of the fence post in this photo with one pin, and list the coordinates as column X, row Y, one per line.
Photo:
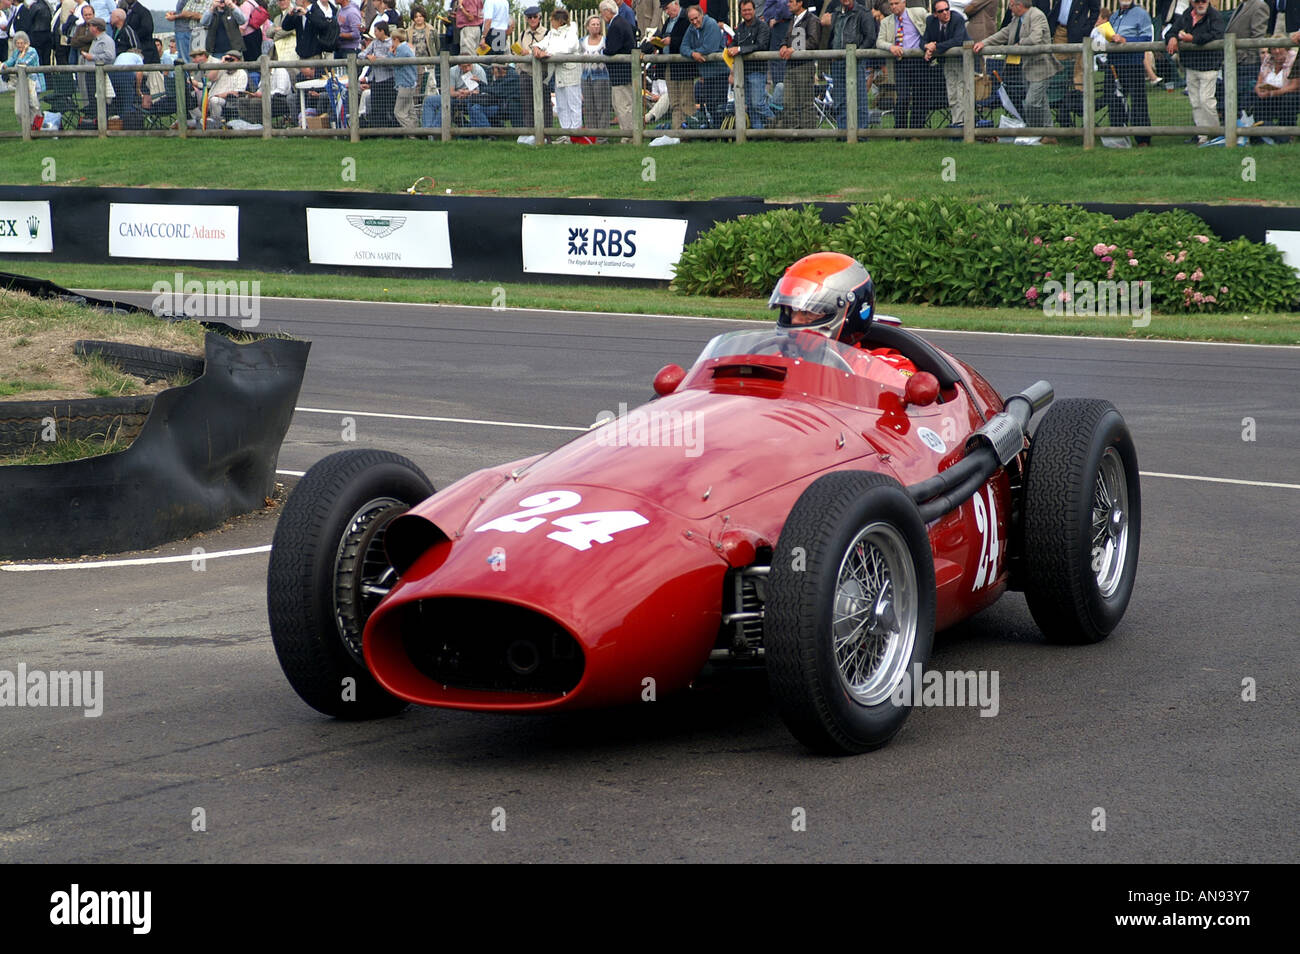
column 179, row 86
column 968, row 91
column 24, row 104
column 742, row 107
column 1089, row 98
column 354, row 99
column 851, row 91
column 638, row 122
column 539, row 111
column 444, row 85
column 1230, row 105
column 264, row 65
column 101, row 100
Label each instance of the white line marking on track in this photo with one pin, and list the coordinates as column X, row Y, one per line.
column 442, row 420
column 104, row 292
column 1221, row 480
column 292, row 473
column 138, row 561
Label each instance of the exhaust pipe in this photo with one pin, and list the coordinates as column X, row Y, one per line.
column 994, row 445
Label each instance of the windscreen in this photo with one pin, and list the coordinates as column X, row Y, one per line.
column 795, row 344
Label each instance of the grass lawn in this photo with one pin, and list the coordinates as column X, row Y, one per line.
column 36, row 342
column 1276, row 329
column 826, row 171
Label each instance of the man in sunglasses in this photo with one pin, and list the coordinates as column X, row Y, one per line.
column 1198, row 25
column 946, row 30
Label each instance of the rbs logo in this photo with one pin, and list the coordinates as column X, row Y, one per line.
column 610, row 243
column 613, row 242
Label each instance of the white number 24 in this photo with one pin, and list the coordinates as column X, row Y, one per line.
column 990, row 548
column 577, row 530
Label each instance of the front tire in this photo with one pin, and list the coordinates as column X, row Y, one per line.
column 850, row 611
column 1082, row 521
column 328, row 571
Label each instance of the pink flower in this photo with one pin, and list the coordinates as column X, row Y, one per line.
column 1111, row 248
column 1198, row 298
column 1110, row 272
column 1223, row 289
column 1211, row 299
column 1169, row 256
column 1182, row 256
column 1107, row 258
column 1099, row 249
column 1203, row 239
column 1197, row 275
column 1065, row 296
column 1131, row 253
column 1069, row 238
column 1180, row 276
column 1032, row 293
column 1132, row 261
column 1048, row 275
column 1037, row 240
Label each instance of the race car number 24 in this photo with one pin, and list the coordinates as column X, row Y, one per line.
column 577, row 530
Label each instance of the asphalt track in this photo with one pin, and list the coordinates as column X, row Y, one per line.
column 1149, row 725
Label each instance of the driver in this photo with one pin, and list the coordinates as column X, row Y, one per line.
column 831, row 294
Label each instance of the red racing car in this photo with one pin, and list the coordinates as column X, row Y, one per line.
column 821, row 496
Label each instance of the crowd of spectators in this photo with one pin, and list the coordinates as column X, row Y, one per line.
column 912, row 79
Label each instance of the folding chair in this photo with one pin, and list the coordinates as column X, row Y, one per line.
column 61, row 96
column 824, row 101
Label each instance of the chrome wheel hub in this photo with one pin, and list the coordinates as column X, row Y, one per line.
column 1110, row 539
column 873, row 621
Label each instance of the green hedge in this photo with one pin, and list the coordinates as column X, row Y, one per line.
column 945, row 252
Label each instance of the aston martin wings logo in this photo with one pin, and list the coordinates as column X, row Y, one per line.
column 377, row 227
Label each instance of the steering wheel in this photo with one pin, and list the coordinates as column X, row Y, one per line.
column 783, row 345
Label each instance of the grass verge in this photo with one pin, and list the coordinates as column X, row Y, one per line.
column 36, row 341
column 1271, row 329
column 777, row 171
column 63, row 451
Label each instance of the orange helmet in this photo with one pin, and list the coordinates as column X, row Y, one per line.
column 827, row 292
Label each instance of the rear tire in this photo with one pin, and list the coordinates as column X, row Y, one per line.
column 850, row 610
column 328, row 571
column 1082, row 521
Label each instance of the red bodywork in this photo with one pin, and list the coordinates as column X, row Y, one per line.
column 647, row 603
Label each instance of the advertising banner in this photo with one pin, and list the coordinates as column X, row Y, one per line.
column 617, row 246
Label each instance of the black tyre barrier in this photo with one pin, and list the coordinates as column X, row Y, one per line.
column 151, row 364
column 24, row 425
column 40, row 288
column 207, row 452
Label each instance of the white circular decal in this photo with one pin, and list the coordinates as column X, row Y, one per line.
column 932, row 440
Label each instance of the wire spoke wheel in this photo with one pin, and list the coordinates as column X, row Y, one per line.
column 328, row 572
column 1082, row 521
column 362, row 574
column 1110, row 523
column 850, row 609
column 874, row 618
